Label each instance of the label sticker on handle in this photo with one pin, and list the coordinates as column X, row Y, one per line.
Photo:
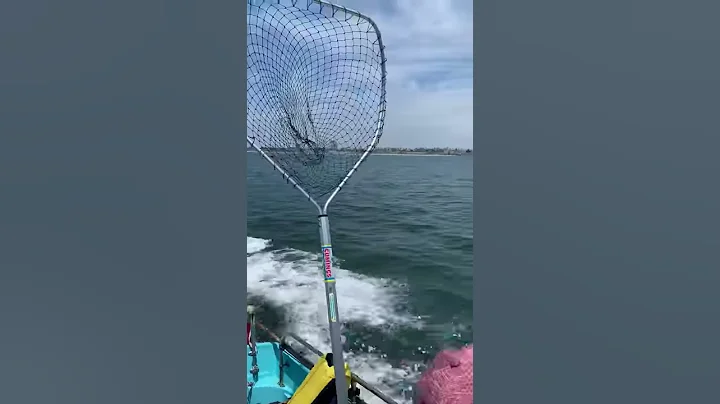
column 331, row 308
column 327, row 264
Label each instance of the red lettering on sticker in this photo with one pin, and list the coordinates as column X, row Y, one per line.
column 328, row 264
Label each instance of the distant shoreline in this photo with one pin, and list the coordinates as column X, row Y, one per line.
column 407, row 154
column 416, row 154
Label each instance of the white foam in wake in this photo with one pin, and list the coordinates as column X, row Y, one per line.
column 292, row 280
column 256, row 244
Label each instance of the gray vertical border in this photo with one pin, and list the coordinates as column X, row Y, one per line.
column 488, row 324
column 477, row 264
column 611, row 319
column 122, row 202
column 242, row 183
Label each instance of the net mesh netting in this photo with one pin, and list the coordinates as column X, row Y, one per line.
column 449, row 379
column 316, row 88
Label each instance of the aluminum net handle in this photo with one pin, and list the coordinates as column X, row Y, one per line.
column 324, row 223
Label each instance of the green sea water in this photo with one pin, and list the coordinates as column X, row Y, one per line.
column 402, row 237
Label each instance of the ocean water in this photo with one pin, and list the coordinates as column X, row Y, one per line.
column 402, row 239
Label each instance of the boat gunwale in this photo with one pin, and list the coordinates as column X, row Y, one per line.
column 284, row 345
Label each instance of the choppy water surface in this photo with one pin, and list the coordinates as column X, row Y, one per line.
column 402, row 236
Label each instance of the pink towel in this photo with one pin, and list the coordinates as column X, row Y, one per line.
column 449, row 379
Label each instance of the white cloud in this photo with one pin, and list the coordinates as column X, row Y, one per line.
column 429, row 51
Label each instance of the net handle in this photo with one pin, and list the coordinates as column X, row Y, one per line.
column 326, row 244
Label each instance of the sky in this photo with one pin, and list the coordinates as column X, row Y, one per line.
column 429, row 86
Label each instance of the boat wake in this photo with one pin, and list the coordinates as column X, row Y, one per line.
column 290, row 279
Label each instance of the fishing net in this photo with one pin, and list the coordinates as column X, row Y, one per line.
column 316, row 88
column 449, row 379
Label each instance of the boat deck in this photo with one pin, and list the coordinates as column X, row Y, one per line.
column 269, row 386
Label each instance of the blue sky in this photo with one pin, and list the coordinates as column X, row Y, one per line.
column 429, row 50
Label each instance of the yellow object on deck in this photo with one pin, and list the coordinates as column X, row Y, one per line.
column 316, row 383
